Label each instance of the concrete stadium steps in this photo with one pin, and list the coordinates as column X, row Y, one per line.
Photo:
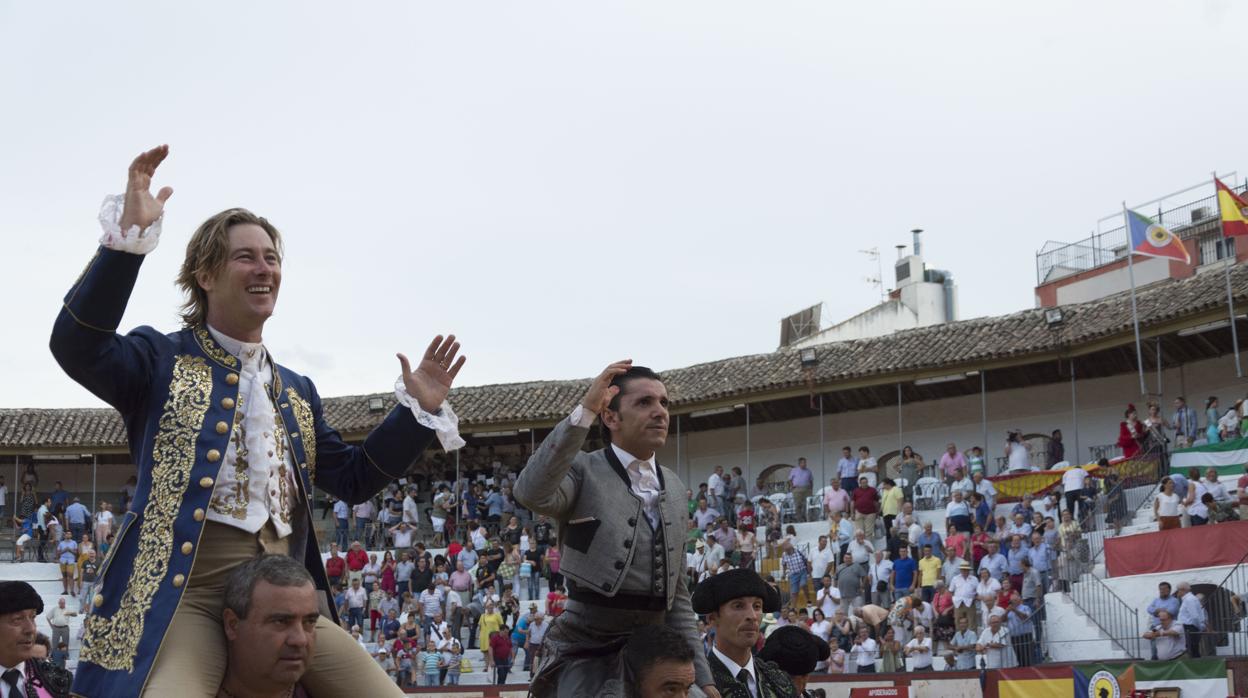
column 1072, row 636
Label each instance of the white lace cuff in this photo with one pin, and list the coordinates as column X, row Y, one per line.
column 582, row 417
column 445, row 423
column 134, row 241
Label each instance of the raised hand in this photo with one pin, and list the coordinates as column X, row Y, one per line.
column 141, row 208
column 601, row 391
column 431, row 381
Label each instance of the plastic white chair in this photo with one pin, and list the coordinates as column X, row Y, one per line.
column 814, row 508
column 927, row 488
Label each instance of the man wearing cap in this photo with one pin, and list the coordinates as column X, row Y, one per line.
column 734, row 602
column 19, row 669
column 795, row 651
column 621, row 519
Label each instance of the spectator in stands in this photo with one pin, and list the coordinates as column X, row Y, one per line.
column 801, row 482
column 929, row 572
column 964, row 588
column 994, row 643
column 905, row 573
column 860, row 550
column 952, row 461
column 919, row 650
column 867, row 467
column 930, row 538
column 1228, row 425
column 77, row 517
column 1166, row 506
column 1192, row 618
column 985, row 488
column 1022, row 631
column 705, row 515
column 847, row 470
column 958, row 511
column 909, row 465
column 1131, row 433
column 955, row 556
column 1184, row 424
column 502, row 651
column 67, row 556
column 835, row 499
column 58, row 619
column 1212, row 435
column 365, row 512
column 891, row 502
column 1017, row 452
column 1072, row 488
column 851, row 582
column 796, row 569
column 1166, row 637
column 866, row 501
column 864, row 652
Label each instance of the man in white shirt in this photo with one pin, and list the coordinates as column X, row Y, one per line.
column 1072, row 488
column 919, row 650
column 881, row 577
column 985, row 487
column 822, row 559
column 342, row 521
column 963, row 587
column 364, row 513
column 994, row 644
column 1167, row 636
column 864, row 652
column 714, row 555
column 715, row 487
column 58, row 617
column 828, row 597
column 734, row 603
column 411, row 511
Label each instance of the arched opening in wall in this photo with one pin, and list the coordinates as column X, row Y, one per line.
column 774, row 478
column 1223, row 615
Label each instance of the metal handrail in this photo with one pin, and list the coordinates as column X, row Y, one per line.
column 1122, row 619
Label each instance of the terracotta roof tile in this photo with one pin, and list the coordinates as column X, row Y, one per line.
column 923, row 349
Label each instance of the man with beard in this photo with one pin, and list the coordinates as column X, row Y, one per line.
column 270, row 619
column 20, row 670
column 734, row 603
column 619, row 532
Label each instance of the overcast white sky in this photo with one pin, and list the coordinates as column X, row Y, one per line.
column 567, row 183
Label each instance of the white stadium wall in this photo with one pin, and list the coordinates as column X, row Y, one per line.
column 928, row 426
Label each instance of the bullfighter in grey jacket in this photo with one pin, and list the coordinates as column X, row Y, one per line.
column 622, row 520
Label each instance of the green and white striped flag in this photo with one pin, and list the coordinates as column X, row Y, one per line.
column 1227, row 457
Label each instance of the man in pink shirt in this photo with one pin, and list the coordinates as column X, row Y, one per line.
column 951, row 461
column 836, row 499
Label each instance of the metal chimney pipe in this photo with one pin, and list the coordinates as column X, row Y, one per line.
column 917, row 249
column 901, row 252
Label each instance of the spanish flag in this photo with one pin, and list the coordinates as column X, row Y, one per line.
column 1233, row 210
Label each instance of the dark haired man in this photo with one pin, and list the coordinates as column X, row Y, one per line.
column 619, row 529
column 270, row 618
column 227, row 442
column 659, row 662
column 734, row 603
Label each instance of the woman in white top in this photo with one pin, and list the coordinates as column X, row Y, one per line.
column 821, row 627
column 1166, row 506
column 987, row 592
column 1018, row 452
column 919, row 650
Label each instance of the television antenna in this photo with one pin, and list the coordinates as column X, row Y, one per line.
column 878, row 280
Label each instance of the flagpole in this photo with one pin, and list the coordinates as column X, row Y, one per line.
column 1135, row 317
column 1230, row 299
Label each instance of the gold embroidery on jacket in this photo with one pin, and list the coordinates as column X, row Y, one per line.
column 279, row 457
column 307, row 433
column 213, row 350
column 233, row 500
column 111, row 643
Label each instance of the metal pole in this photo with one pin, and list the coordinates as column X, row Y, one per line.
column 1074, row 409
column 95, row 466
column 678, row 450
column 1230, row 298
column 749, row 473
column 823, row 461
column 1230, row 302
column 983, row 411
column 1135, row 318
column 900, row 438
column 1159, row 393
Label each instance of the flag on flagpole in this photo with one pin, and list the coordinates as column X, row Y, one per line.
column 1232, row 209
column 1150, row 239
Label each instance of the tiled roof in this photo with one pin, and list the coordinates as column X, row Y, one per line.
column 955, row 344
